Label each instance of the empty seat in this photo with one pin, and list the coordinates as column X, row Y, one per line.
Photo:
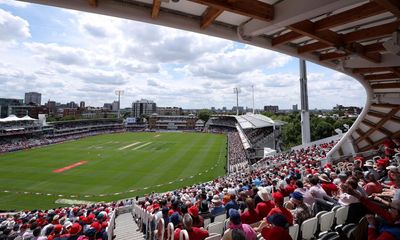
column 308, row 228
column 341, row 215
column 294, row 231
column 220, row 218
column 326, row 221
column 214, row 237
column 183, row 235
column 206, row 222
column 216, row 227
column 160, row 229
column 170, row 231
column 329, row 236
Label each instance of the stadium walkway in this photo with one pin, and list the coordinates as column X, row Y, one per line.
column 125, row 228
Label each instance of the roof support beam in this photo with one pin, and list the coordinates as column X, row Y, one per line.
column 366, row 148
column 371, row 70
column 254, row 9
column 209, row 16
column 391, row 5
column 363, row 34
column 377, row 125
column 361, row 133
column 384, row 76
column 307, row 28
column 385, row 85
column 290, row 12
column 372, row 32
column 354, row 14
column 285, row 38
column 381, row 129
column 92, row 3
column 364, row 11
column 155, row 10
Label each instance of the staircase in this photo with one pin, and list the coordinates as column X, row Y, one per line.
column 126, row 228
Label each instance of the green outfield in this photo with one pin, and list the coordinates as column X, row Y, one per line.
column 109, row 167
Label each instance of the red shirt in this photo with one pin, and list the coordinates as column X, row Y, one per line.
column 329, row 188
column 373, row 235
column 263, row 208
column 373, row 187
column 194, row 234
column 275, row 233
column 284, row 211
column 250, row 217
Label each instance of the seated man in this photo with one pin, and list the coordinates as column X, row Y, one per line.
column 218, row 208
column 194, row 233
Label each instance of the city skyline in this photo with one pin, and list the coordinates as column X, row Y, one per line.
column 86, row 57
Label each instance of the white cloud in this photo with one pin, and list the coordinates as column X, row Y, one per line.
column 12, row 27
column 90, row 56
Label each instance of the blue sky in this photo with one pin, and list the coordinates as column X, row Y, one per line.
column 74, row 56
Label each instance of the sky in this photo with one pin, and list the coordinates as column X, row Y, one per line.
column 75, row 56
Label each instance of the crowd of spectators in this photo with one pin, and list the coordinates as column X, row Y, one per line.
column 237, row 153
column 84, row 222
column 288, row 189
column 11, row 144
column 258, row 134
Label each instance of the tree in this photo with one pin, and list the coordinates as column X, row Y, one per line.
column 204, row 114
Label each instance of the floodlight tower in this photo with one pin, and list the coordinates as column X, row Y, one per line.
column 305, row 115
column 236, row 90
column 252, row 88
column 119, row 93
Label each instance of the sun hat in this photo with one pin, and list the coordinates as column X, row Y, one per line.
column 323, row 177
column 264, row 194
column 216, row 199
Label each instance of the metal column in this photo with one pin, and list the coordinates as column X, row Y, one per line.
column 305, row 115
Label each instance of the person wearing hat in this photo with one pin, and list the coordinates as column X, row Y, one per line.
column 231, row 204
column 275, row 228
column 372, row 185
column 280, row 209
column 217, row 207
column 194, row 233
column 302, row 211
column 198, row 221
column 369, row 165
column 329, row 187
column 237, row 227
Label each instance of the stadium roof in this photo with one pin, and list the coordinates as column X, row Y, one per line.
column 13, row 118
column 356, row 37
column 256, row 121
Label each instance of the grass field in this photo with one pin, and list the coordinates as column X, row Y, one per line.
column 113, row 166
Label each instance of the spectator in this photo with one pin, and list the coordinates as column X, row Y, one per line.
column 236, row 225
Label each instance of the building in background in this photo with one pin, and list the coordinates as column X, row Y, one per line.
column 82, row 104
column 114, row 106
column 295, row 108
column 52, row 107
column 169, row 111
column 187, row 122
column 34, row 98
column 143, row 107
column 271, row 108
column 6, row 103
